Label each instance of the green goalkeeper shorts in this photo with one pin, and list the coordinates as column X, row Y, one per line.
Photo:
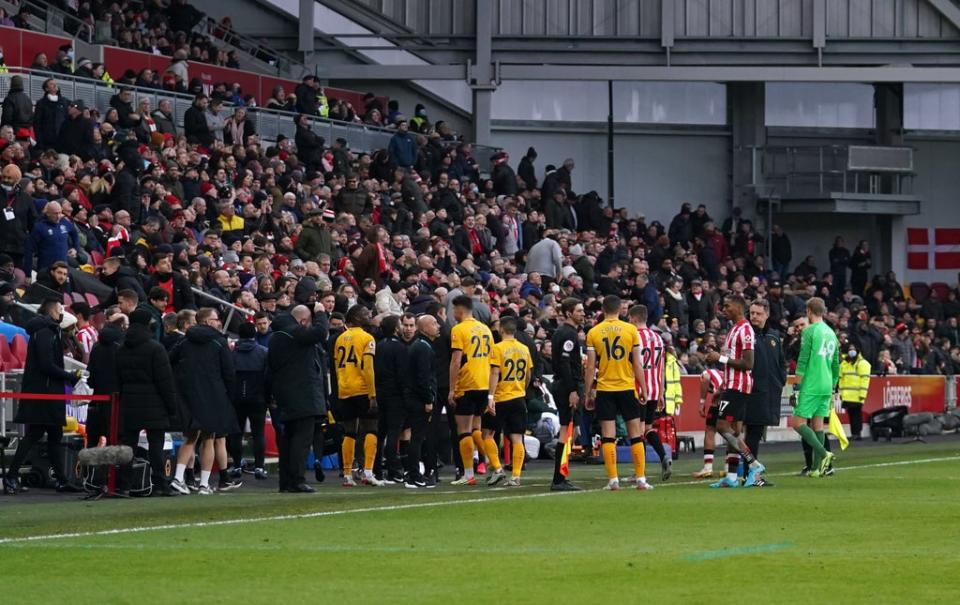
column 811, row 406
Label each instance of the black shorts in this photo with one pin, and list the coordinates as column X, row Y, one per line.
column 650, row 412
column 611, row 404
column 354, row 408
column 562, row 401
column 731, row 406
column 471, row 403
column 489, row 422
column 512, row 416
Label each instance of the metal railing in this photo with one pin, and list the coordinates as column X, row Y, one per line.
column 268, row 123
column 233, row 308
column 49, row 19
column 267, row 58
column 818, row 170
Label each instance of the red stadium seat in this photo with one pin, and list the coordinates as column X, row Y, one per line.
column 77, row 297
column 919, row 291
column 19, row 349
column 19, row 277
column 92, row 300
column 96, row 257
column 67, row 300
column 7, row 360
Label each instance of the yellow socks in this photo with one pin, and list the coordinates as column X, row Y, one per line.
column 518, row 455
column 478, row 442
column 639, row 452
column 369, row 451
column 493, row 453
column 347, row 448
column 609, row 449
column 466, row 454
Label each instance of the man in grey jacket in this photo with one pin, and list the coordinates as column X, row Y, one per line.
column 546, row 258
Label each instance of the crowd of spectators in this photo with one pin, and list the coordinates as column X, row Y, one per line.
column 410, row 224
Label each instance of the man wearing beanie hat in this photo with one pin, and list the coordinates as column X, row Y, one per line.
column 147, row 396
column 17, row 106
column 18, row 214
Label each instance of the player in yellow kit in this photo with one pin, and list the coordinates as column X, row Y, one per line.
column 470, row 345
column 352, row 354
column 511, row 368
column 613, row 358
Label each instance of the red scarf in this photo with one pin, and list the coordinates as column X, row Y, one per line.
column 475, row 248
column 381, row 259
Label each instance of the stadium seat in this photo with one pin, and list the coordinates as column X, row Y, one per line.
column 97, row 320
column 919, row 291
column 67, row 300
column 941, row 288
column 77, row 297
column 96, row 257
column 18, row 347
column 19, row 277
column 92, row 300
column 7, row 360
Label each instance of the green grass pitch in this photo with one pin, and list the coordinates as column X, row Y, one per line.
column 882, row 530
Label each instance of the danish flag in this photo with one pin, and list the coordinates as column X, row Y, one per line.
column 933, row 248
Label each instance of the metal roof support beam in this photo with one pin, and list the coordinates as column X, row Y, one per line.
column 666, row 26
column 480, row 77
column 711, row 73
column 819, row 28
column 948, row 10
column 306, row 40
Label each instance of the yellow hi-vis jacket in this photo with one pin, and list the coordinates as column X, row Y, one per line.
column 854, row 379
column 673, row 394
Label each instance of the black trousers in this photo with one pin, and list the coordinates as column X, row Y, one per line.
column 419, row 421
column 436, row 444
column 31, row 438
column 257, row 415
column 393, row 412
column 855, row 412
column 98, row 423
column 131, row 437
column 753, row 436
column 294, row 443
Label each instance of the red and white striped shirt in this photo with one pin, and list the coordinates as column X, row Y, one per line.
column 652, row 362
column 739, row 339
column 87, row 336
column 715, row 378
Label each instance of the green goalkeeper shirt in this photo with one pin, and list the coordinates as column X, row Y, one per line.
column 819, row 361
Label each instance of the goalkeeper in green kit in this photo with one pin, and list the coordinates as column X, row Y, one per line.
column 818, row 370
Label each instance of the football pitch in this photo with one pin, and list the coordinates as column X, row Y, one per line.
column 882, row 530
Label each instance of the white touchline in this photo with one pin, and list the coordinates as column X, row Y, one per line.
column 394, row 507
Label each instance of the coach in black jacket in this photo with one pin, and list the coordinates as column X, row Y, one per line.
column 295, row 371
column 769, row 376
column 390, row 367
column 420, row 395
column 103, row 380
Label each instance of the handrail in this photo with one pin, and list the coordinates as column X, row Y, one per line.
column 248, row 45
column 332, row 128
column 48, row 8
column 233, row 307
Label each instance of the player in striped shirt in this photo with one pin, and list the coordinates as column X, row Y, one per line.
column 652, row 363
column 737, row 360
column 711, row 384
column 87, row 335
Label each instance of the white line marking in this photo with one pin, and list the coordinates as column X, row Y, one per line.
column 390, row 508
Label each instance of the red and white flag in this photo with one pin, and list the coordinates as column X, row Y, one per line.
column 933, row 248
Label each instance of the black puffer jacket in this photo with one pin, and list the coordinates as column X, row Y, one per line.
column 48, row 117
column 250, row 363
column 44, row 373
column 148, row 397
column 13, row 234
column 17, row 106
column 205, row 378
column 295, row 367
column 103, row 361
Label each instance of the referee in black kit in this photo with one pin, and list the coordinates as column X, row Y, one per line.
column 567, row 387
column 769, row 376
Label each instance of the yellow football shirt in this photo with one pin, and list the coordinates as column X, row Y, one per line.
column 353, row 355
column 476, row 342
column 513, row 359
column 613, row 341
